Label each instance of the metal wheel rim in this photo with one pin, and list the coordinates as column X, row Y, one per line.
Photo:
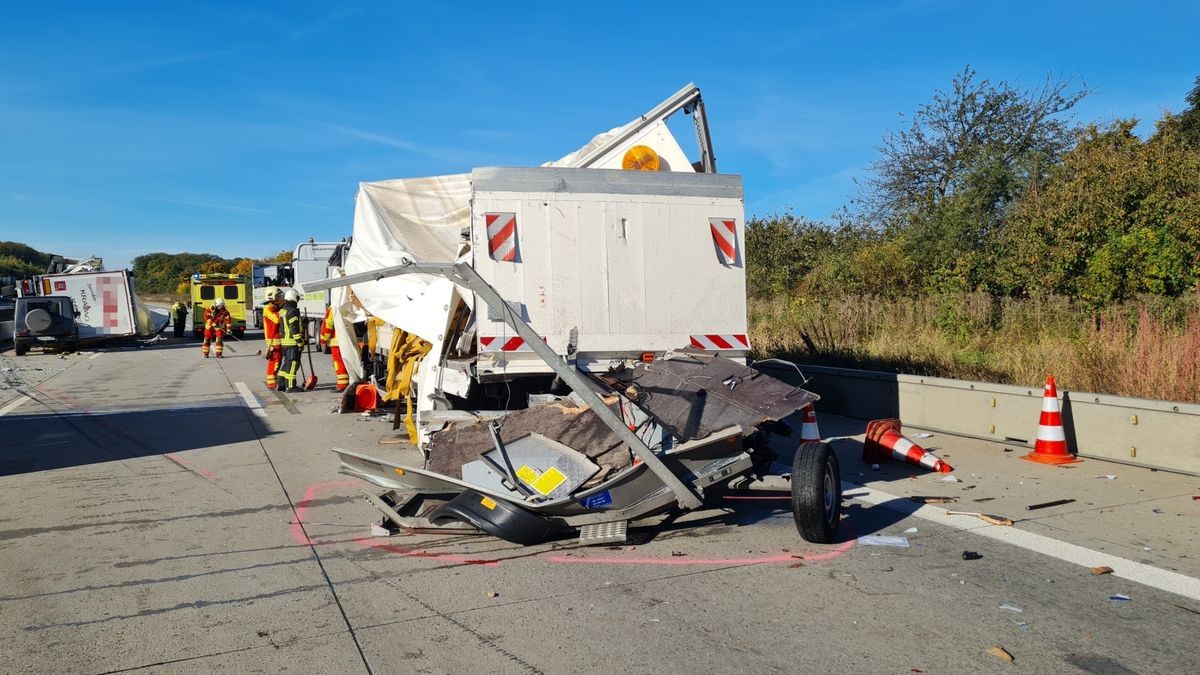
column 830, row 493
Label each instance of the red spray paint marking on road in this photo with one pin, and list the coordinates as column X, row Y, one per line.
column 301, row 538
column 417, row 553
column 302, row 506
column 688, row 560
column 673, row 561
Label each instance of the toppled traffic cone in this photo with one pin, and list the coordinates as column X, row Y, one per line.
column 1051, row 444
column 885, row 441
column 808, row 428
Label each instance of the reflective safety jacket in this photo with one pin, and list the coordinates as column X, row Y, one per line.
column 328, row 336
column 217, row 317
column 179, row 311
column 272, row 328
column 290, row 322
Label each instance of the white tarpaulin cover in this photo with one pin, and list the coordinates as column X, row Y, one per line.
column 344, row 316
column 418, row 218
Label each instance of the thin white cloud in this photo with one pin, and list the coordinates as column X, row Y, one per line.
column 165, row 61
column 459, row 156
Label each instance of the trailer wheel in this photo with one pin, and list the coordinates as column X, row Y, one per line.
column 816, row 492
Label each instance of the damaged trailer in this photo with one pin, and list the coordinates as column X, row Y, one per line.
column 625, row 290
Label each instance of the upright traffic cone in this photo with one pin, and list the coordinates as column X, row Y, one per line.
column 885, row 441
column 808, row 428
column 1051, row 444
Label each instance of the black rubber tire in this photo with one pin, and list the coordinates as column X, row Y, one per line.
column 20, row 349
column 816, row 492
column 71, row 347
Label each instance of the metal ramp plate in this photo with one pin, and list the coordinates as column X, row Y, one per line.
column 604, row 533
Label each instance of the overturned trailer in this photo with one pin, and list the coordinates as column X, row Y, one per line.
column 623, row 291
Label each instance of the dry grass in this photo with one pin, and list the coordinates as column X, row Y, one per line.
column 1146, row 349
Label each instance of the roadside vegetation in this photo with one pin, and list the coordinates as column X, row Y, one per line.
column 998, row 240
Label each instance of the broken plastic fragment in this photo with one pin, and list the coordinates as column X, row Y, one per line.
column 1107, row 476
column 883, row 540
column 950, row 479
column 1013, row 608
column 911, row 530
column 1119, row 597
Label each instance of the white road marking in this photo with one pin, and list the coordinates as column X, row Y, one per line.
column 251, row 402
column 1172, row 582
column 14, row 404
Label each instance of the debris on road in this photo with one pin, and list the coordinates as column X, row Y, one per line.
column 971, row 555
column 1120, row 597
column 883, row 540
column 1045, row 505
column 1000, row 653
column 1107, row 476
column 933, row 500
column 983, row 499
column 884, row 440
column 985, row 517
column 911, row 530
column 1012, row 608
column 950, row 479
column 1103, row 569
column 493, row 594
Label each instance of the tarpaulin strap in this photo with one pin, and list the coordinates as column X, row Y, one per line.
column 403, row 358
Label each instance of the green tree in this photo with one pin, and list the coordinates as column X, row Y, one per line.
column 1120, row 216
column 945, row 184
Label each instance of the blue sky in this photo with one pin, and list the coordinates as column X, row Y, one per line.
column 240, row 128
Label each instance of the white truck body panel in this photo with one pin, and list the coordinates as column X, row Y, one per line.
column 627, row 258
column 104, row 301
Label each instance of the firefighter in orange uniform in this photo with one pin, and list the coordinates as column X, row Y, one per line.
column 329, row 337
column 272, row 334
column 217, row 322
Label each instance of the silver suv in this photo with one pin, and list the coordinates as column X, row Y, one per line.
column 47, row 322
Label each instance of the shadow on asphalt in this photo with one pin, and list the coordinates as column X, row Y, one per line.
column 48, row 441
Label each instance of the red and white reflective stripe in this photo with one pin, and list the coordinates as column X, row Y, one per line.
column 721, row 341
column 1050, row 427
column 502, row 235
column 808, row 428
column 108, row 299
column 906, row 450
column 512, row 344
column 724, row 234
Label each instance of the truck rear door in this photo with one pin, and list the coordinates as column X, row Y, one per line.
column 636, row 261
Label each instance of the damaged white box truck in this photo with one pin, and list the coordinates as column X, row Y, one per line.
column 625, row 289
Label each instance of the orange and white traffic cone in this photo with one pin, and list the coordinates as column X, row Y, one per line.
column 808, row 428
column 885, row 441
column 1051, row 444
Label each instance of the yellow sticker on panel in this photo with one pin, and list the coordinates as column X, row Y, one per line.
column 549, row 480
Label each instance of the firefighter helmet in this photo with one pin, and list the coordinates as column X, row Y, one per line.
column 272, row 294
column 292, row 295
column 219, row 302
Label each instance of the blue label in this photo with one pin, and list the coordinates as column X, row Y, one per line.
column 598, row 500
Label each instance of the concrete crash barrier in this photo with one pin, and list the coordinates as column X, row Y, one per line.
column 1136, row 431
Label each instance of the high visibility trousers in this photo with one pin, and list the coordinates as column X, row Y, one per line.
column 213, row 336
column 274, row 357
column 339, row 368
column 288, row 367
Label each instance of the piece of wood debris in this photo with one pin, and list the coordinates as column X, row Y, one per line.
column 1103, row 569
column 933, row 500
column 985, row 517
column 1000, row 653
